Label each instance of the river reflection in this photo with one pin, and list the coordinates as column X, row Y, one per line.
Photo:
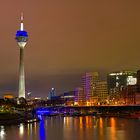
column 42, row 130
column 2, row 132
column 74, row 128
column 21, row 130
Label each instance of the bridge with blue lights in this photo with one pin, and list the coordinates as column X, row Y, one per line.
column 54, row 110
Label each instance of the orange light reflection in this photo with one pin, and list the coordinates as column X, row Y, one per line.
column 113, row 131
column 35, row 128
column 101, row 126
column 81, row 122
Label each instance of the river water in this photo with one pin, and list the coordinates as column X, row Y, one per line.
column 74, row 128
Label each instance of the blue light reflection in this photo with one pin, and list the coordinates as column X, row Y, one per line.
column 42, row 130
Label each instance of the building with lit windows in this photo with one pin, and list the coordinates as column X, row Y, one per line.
column 138, row 81
column 138, row 88
column 79, row 97
column 102, row 92
column 69, row 98
column 89, row 85
column 119, row 80
column 129, row 94
column 52, row 93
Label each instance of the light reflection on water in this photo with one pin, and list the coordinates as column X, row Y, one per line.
column 42, row 130
column 113, row 128
column 21, row 129
column 2, row 133
column 74, row 128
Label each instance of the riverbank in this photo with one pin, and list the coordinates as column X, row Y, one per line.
column 104, row 111
column 14, row 118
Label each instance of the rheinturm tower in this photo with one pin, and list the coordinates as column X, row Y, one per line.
column 21, row 38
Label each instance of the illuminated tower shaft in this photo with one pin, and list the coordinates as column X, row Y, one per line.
column 21, row 74
column 21, row 38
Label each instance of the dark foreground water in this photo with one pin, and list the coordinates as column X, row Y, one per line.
column 74, row 128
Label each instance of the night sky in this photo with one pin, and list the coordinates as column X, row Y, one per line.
column 66, row 39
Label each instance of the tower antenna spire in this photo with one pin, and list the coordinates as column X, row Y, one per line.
column 21, row 22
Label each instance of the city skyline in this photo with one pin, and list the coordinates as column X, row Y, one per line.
column 67, row 41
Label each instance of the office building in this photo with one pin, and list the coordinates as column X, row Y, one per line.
column 129, row 94
column 69, row 98
column 89, row 85
column 119, row 80
column 79, row 97
column 102, row 92
column 138, row 81
column 52, row 93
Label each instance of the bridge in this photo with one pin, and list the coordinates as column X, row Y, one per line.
column 85, row 109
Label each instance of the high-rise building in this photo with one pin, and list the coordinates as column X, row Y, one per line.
column 137, row 99
column 118, row 80
column 89, row 86
column 52, row 93
column 129, row 94
column 69, row 98
column 102, row 92
column 138, row 81
column 79, row 96
column 21, row 38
